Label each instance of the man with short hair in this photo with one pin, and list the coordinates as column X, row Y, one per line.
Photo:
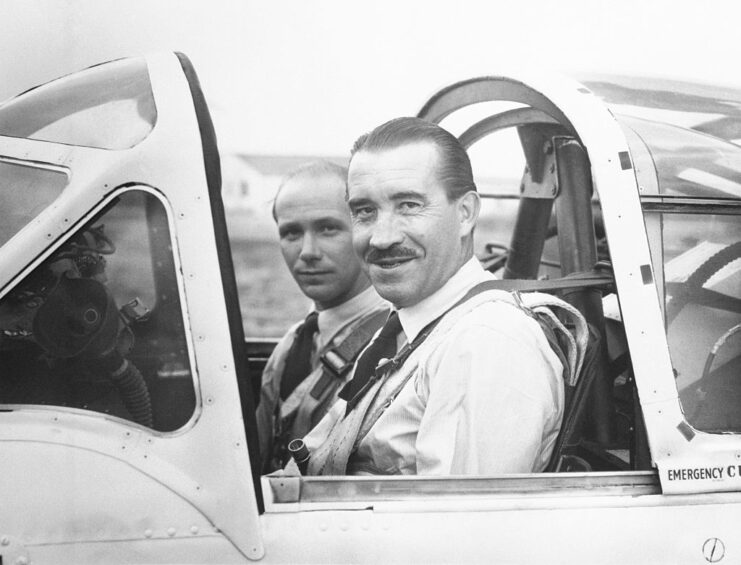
column 451, row 385
column 312, row 361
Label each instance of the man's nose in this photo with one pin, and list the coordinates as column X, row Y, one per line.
column 385, row 232
column 310, row 250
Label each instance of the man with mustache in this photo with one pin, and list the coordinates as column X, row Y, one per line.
column 464, row 385
column 314, row 358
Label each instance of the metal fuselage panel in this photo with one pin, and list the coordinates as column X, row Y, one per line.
column 652, row 529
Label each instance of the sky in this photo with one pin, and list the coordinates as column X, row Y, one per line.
column 308, row 76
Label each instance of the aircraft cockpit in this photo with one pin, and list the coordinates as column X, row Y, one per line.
column 128, row 389
column 97, row 326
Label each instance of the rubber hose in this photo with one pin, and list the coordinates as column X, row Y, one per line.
column 134, row 393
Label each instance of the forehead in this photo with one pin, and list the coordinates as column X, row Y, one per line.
column 400, row 167
column 310, row 196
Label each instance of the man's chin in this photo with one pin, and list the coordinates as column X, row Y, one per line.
column 316, row 292
column 394, row 293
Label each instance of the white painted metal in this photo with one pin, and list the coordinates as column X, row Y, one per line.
column 550, row 526
column 540, row 529
column 205, row 465
column 81, row 487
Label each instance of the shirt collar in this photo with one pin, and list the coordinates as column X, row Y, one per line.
column 332, row 320
column 415, row 318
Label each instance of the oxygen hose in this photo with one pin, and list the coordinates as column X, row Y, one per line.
column 134, row 392
column 130, row 384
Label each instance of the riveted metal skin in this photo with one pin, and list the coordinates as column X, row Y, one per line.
column 81, row 487
column 77, row 484
column 606, row 145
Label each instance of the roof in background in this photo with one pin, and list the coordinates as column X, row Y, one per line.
column 281, row 164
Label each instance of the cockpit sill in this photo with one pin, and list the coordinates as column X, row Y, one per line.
column 283, row 493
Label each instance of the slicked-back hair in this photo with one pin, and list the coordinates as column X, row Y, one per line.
column 319, row 168
column 454, row 167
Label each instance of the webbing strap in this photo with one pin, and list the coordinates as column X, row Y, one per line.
column 338, row 360
column 512, row 285
column 575, row 280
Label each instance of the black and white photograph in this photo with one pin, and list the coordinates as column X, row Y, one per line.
column 402, row 281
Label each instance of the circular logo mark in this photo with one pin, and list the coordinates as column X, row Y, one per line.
column 713, row 550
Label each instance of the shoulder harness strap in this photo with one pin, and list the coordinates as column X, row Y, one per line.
column 559, row 338
column 337, row 361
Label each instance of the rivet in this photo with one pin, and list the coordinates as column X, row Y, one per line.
column 194, row 530
column 171, row 532
column 200, row 337
column 147, row 533
column 5, row 541
column 22, row 560
column 209, row 400
column 323, row 526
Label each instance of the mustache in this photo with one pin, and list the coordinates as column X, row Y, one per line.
column 395, row 251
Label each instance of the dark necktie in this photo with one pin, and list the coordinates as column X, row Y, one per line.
column 298, row 360
column 384, row 346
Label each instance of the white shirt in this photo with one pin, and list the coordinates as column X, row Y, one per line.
column 335, row 325
column 485, row 395
column 332, row 320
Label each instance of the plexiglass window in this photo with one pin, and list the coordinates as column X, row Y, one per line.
column 702, row 290
column 109, row 106
column 25, row 190
column 98, row 326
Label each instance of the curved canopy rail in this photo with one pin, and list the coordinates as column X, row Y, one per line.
column 558, row 173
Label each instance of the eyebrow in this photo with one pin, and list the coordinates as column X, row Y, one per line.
column 315, row 223
column 351, row 202
column 414, row 194
column 329, row 221
column 283, row 228
column 403, row 195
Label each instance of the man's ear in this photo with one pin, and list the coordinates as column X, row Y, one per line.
column 468, row 207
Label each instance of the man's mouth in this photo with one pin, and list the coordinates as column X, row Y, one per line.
column 311, row 272
column 391, row 262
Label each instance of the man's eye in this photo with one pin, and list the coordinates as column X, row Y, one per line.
column 328, row 230
column 409, row 206
column 362, row 213
column 290, row 235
